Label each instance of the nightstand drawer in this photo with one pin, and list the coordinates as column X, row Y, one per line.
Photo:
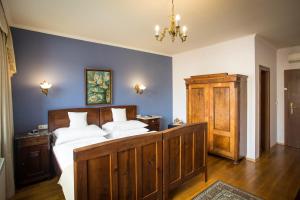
column 154, row 127
column 153, row 121
column 32, row 141
column 154, row 124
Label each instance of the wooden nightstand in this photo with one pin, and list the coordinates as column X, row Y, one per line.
column 153, row 122
column 174, row 125
column 32, row 158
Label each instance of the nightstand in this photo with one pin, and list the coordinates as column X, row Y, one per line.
column 174, row 125
column 32, row 157
column 153, row 122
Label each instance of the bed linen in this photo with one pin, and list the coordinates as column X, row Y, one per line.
column 126, row 133
column 64, row 156
column 64, row 152
column 64, row 135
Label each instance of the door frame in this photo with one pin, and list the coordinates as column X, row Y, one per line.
column 268, row 125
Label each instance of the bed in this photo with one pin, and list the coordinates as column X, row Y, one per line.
column 142, row 166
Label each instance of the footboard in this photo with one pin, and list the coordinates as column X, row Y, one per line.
column 184, row 155
column 146, row 166
column 128, row 168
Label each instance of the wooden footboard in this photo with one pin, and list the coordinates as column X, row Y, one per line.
column 140, row 167
column 184, row 155
column 128, row 168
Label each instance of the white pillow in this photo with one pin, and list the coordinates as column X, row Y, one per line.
column 124, row 125
column 77, row 119
column 64, row 135
column 119, row 114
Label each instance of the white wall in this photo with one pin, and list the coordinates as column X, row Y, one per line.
column 282, row 64
column 265, row 55
column 234, row 57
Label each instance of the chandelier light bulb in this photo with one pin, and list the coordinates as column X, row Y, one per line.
column 184, row 30
column 177, row 19
column 157, row 30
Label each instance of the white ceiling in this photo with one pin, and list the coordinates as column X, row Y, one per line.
column 130, row 23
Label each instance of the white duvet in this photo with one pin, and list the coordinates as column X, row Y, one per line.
column 64, row 155
column 125, row 133
column 64, row 152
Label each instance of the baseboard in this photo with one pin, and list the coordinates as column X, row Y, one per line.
column 251, row 159
column 273, row 146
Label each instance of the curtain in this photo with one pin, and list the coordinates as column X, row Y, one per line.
column 7, row 69
column 3, row 21
column 6, row 117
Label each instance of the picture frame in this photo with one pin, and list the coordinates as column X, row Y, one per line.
column 98, row 86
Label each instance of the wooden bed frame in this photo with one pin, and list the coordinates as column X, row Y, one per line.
column 146, row 166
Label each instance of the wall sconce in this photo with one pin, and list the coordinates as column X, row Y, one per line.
column 45, row 86
column 139, row 88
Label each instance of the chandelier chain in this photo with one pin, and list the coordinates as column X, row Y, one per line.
column 172, row 7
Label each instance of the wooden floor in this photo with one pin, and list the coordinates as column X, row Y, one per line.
column 276, row 175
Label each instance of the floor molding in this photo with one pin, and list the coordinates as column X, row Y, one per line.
column 251, row 159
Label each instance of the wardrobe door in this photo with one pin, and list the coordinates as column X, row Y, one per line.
column 222, row 119
column 198, row 103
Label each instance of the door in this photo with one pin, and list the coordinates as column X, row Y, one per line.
column 292, row 107
column 198, row 103
column 264, row 109
column 222, row 119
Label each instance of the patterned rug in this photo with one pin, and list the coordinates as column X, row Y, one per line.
column 223, row 191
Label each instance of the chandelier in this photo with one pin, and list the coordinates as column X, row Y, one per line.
column 174, row 30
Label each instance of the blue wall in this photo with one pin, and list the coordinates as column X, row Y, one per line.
column 61, row 61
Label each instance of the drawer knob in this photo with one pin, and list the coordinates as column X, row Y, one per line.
column 34, row 154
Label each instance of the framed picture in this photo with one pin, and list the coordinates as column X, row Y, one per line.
column 98, row 86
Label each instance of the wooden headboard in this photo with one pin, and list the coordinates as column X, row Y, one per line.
column 97, row 116
column 106, row 114
column 60, row 118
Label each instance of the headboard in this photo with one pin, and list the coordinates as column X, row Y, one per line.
column 97, row 116
column 106, row 114
column 60, row 118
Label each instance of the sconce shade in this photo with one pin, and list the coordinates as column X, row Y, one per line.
column 45, row 86
column 139, row 88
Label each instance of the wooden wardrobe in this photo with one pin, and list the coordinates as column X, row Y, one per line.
column 220, row 100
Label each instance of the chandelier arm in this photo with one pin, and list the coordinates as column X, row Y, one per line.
column 182, row 37
column 177, row 30
column 161, row 36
